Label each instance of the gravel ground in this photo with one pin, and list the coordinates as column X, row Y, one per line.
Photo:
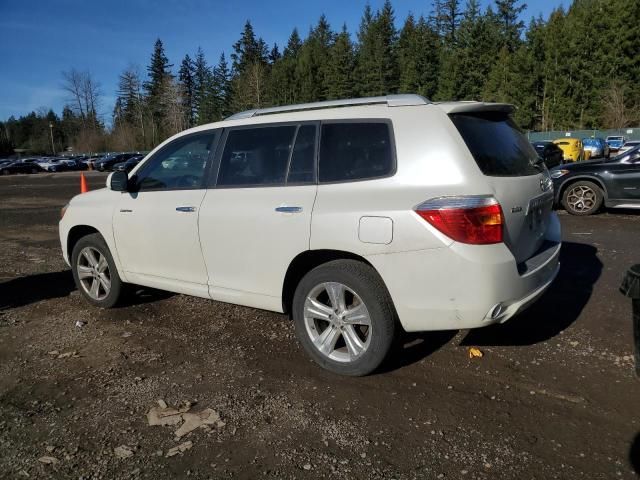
column 553, row 396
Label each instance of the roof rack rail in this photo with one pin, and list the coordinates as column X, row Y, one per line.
column 389, row 100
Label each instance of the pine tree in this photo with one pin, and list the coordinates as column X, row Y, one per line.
column 159, row 73
column 282, row 86
column 465, row 67
column 418, row 58
column 293, row 44
column 186, row 76
column 377, row 63
column 129, row 94
column 202, row 84
column 274, row 54
column 158, row 70
column 312, row 62
column 222, row 88
column 339, row 74
column 511, row 27
column 447, row 20
column 248, row 50
column 249, row 61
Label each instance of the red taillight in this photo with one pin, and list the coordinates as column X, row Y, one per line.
column 475, row 220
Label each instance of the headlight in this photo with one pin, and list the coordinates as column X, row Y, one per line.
column 559, row 173
column 63, row 210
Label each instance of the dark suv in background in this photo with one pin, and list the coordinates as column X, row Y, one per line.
column 107, row 163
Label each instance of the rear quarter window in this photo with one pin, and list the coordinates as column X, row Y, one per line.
column 498, row 146
column 351, row 151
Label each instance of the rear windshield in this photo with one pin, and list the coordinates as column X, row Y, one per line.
column 497, row 144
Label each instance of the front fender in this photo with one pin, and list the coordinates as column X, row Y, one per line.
column 94, row 210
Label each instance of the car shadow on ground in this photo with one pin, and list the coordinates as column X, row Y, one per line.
column 634, row 454
column 413, row 347
column 556, row 310
column 23, row 291
column 137, row 295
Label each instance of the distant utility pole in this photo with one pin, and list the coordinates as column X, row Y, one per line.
column 53, row 149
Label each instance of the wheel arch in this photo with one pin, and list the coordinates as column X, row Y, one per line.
column 307, row 261
column 75, row 234
column 572, row 180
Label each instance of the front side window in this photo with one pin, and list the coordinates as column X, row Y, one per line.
column 180, row 165
column 256, row 156
column 355, row 151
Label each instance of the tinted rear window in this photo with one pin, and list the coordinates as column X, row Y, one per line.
column 499, row 148
column 355, row 151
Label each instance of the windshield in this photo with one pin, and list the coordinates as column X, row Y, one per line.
column 627, row 157
column 498, row 146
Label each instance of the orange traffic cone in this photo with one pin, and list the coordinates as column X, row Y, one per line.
column 83, row 184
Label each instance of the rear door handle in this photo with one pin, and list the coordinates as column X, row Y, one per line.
column 185, row 209
column 287, row 209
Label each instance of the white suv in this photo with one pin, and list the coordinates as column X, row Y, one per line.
column 356, row 217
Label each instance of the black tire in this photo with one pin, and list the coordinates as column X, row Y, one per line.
column 115, row 294
column 592, row 198
column 364, row 281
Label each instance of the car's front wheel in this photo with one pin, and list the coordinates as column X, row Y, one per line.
column 344, row 317
column 582, row 198
column 95, row 273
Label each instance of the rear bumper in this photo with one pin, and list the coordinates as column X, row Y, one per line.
column 466, row 286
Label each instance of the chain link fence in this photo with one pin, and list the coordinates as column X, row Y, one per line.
column 628, row 133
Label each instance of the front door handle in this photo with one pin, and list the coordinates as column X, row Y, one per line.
column 185, row 209
column 287, row 209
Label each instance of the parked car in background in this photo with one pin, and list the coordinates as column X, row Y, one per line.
column 582, row 188
column 572, row 150
column 107, row 163
column 596, row 146
column 71, row 164
column 91, row 161
column 550, row 153
column 51, row 164
column 355, row 216
column 128, row 165
column 29, row 160
column 615, row 142
column 628, row 145
column 19, row 167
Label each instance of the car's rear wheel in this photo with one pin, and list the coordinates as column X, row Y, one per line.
column 95, row 273
column 582, row 198
column 344, row 317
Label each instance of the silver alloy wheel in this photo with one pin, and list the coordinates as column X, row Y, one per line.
column 337, row 322
column 582, row 198
column 93, row 273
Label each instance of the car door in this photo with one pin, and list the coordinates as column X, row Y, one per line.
column 257, row 217
column 156, row 223
column 625, row 178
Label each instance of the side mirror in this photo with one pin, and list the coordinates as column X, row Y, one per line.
column 119, row 181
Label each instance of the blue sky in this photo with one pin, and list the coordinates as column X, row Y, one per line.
column 40, row 39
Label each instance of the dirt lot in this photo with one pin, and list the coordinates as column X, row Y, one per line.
column 554, row 395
